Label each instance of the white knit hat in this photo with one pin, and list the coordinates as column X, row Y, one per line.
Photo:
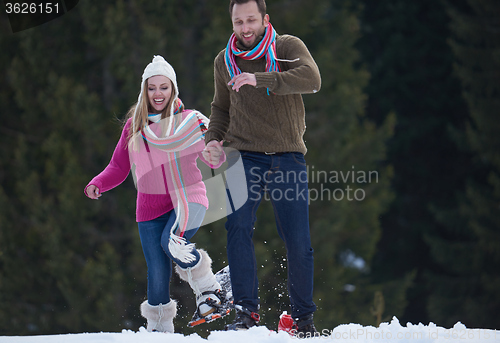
column 158, row 67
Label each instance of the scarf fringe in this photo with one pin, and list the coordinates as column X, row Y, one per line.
column 289, row 61
column 181, row 249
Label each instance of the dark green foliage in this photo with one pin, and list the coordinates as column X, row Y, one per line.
column 443, row 153
column 404, row 47
column 467, row 250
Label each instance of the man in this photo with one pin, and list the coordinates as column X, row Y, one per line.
column 258, row 110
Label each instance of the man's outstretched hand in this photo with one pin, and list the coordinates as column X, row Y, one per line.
column 243, row 79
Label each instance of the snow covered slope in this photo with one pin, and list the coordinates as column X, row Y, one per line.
column 349, row 333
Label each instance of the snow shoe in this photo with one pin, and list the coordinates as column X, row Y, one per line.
column 218, row 305
column 212, row 307
column 244, row 319
column 223, row 277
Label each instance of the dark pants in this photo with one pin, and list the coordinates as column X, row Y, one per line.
column 155, row 236
column 284, row 178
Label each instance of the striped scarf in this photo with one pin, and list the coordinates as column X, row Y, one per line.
column 180, row 135
column 266, row 47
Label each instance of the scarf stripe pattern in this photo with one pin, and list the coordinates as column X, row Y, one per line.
column 266, row 47
column 180, row 135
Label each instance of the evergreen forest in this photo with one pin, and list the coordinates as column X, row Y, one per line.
column 403, row 159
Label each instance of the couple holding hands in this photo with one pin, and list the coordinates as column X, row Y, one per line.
column 257, row 110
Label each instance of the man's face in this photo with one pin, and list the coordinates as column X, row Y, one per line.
column 248, row 23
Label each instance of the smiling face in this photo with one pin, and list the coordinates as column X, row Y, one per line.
column 159, row 92
column 248, row 23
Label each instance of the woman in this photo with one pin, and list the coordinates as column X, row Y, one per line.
column 160, row 143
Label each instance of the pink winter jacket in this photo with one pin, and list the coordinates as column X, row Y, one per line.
column 151, row 175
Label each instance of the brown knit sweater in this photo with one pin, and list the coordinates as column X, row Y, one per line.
column 253, row 120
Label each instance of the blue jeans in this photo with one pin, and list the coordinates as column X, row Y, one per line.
column 154, row 239
column 282, row 178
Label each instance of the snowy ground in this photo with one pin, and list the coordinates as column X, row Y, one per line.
column 387, row 332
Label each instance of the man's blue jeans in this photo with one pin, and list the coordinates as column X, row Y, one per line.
column 284, row 178
column 155, row 235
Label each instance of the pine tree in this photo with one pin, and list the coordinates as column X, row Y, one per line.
column 464, row 287
column 63, row 261
column 405, row 50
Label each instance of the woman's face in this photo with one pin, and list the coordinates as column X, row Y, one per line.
column 159, row 92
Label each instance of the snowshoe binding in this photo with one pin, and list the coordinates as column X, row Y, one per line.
column 243, row 320
column 219, row 303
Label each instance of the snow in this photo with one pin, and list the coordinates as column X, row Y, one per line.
column 348, row 333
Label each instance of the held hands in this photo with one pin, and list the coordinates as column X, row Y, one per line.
column 93, row 192
column 243, row 79
column 213, row 151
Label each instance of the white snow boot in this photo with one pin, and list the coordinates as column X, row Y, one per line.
column 210, row 299
column 160, row 317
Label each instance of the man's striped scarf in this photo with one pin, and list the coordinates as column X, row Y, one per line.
column 180, row 135
column 266, row 47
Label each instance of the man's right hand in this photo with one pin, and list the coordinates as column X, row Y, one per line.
column 213, row 151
